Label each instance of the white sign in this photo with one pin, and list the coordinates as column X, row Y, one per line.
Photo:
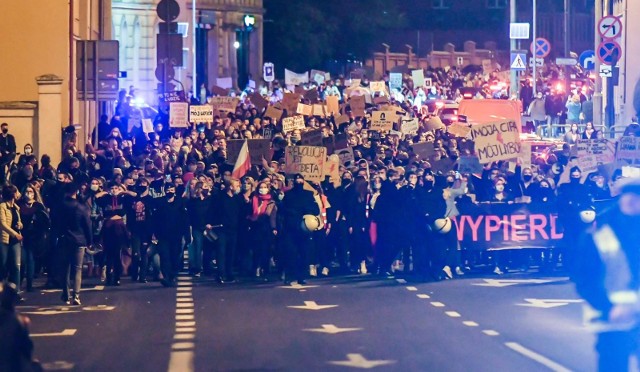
column 610, row 27
column 410, row 126
column 539, row 62
column 201, row 114
column 606, row 71
column 268, row 73
column 460, row 61
column 179, row 115
column 566, row 61
column 519, row 31
column 395, row 80
column 293, row 78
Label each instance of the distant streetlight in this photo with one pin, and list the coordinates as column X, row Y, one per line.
column 249, row 21
column 236, row 44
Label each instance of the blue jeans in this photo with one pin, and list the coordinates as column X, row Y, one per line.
column 195, row 251
column 10, row 254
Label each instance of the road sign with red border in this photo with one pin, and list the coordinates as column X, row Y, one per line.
column 542, row 48
column 608, row 50
column 610, row 27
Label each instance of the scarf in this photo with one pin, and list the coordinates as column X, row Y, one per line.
column 259, row 204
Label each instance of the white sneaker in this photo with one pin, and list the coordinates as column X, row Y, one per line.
column 325, row 271
column 258, row 272
column 497, row 271
column 447, row 272
column 312, row 270
column 363, row 267
column 459, row 271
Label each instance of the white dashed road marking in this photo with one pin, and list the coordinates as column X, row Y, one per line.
column 536, row 357
column 437, row 304
column 182, row 352
column 423, row 296
column 490, row 332
column 453, row 314
column 470, row 323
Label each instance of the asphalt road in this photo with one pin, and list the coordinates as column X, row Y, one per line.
column 513, row 322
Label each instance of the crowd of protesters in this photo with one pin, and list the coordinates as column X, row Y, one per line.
column 132, row 202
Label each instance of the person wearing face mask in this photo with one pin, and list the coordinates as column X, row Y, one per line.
column 573, row 197
column 198, row 207
column 7, row 150
column 262, row 219
column 455, row 187
column 97, row 266
column 598, row 188
column 411, row 206
column 227, row 210
column 543, row 193
column 170, row 224
column 527, row 184
column 35, row 219
column 500, row 195
column 139, row 224
column 537, row 111
column 344, row 194
column 297, row 203
column 21, row 178
column 432, row 260
column 27, row 156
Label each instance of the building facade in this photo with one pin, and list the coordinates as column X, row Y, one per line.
column 629, row 13
column 39, row 60
column 219, row 24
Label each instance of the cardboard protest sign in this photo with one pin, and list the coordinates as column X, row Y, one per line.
column 588, row 163
column 200, row 114
column 292, row 123
column 274, row 113
column 409, row 126
column 290, row 102
column 307, row 161
column 357, row 104
column 312, row 138
column 630, row 172
column 442, row 166
column 342, row 119
column 346, row 156
column 380, row 100
column 225, row 82
column 469, row 164
column 305, row 110
column 423, row 149
column 395, row 81
column 418, row 78
column 225, row 104
column 293, row 78
column 332, row 169
column 459, row 130
column 318, row 110
column 258, row 148
column 353, row 82
column 525, row 155
column 311, row 95
column 259, row 101
column 382, row 121
column 178, row 115
column 496, row 141
column 629, row 150
column 377, row 86
column 219, row 91
column 333, row 105
column 603, row 149
column 147, row 126
column 434, row 123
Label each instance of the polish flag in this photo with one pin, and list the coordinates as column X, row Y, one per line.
column 243, row 164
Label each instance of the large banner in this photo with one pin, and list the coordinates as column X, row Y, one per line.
column 508, row 226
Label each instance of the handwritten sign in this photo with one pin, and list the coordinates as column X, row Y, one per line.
column 178, row 115
column 332, row 169
column 603, row 149
column 377, row 86
column 418, row 78
column 147, row 126
column 225, row 104
column 459, row 130
column 333, row 106
column 525, row 155
column 303, row 109
column 307, row 161
column 200, row 114
column 312, row 138
column 395, row 81
column 409, row 126
column 423, row 149
column 318, row 110
column 346, row 156
column 259, row 101
column 290, row 102
column 382, row 121
column 629, row 150
column 293, row 123
column 273, row 112
column 292, row 78
column 357, row 104
column 496, row 141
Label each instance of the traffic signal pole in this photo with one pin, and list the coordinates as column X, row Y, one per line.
column 597, row 94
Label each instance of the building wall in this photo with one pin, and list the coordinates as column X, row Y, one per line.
column 630, row 62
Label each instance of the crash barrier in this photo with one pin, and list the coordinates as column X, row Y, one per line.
column 500, row 226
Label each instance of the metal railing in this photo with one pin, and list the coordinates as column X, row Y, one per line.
column 613, row 132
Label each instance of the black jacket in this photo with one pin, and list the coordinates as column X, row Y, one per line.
column 297, row 202
column 74, row 222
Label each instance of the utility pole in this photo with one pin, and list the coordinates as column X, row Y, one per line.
column 513, row 83
column 566, row 28
column 597, row 94
column 193, row 47
column 535, row 49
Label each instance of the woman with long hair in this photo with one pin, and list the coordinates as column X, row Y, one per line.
column 262, row 227
column 35, row 219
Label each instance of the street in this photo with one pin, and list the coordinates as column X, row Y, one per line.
column 514, row 322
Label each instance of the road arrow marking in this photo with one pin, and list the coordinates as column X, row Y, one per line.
column 312, row 305
column 66, row 332
column 358, row 361
column 509, row 282
column 331, row 329
column 297, row 286
column 98, row 308
column 548, row 303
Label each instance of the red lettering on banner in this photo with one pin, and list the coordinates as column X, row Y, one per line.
column 515, row 227
column 489, row 229
column 554, row 231
column 533, row 226
column 459, row 226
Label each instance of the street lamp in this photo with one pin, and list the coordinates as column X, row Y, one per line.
column 236, row 44
column 249, row 21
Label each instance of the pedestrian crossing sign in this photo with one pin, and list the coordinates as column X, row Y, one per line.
column 518, row 61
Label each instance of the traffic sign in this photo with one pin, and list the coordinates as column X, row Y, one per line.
column 588, row 60
column 606, row 71
column 541, row 48
column 539, row 62
column 518, row 61
column 267, row 72
column 610, row 27
column 609, row 52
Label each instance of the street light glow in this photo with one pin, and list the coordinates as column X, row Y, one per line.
column 236, row 44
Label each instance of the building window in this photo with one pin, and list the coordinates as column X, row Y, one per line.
column 440, row 4
column 185, row 58
column 183, row 29
column 496, row 4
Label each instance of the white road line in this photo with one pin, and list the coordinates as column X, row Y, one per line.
column 423, row 295
column 182, row 353
column 181, row 361
column 401, row 281
column 437, row 304
column 490, row 332
column 413, row 289
column 184, row 304
column 185, row 317
column 66, row 332
column 186, row 299
column 186, row 329
column 184, row 289
column 470, row 323
column 453, row 314
column 183, row 345
column 536, row 357
column 181, row 294
column 184, row 336
column 184, row 311
column 185, row 324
